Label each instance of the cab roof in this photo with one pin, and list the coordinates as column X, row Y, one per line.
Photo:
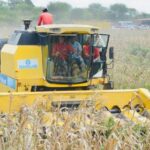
column 67, row 28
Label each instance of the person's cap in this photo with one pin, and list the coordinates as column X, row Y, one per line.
column 44, row 9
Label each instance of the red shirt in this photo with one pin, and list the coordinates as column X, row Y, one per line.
column 62, row 50
column 86, row 51
column 45, row 18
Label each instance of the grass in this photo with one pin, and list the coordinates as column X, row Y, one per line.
column 132, row 55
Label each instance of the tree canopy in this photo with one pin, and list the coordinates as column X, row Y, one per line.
column 15, row 10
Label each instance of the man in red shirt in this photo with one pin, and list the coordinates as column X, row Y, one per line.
column 62, row 49
column 45, row 18
column 86, row 49
column 60, row 53
column 87, row 53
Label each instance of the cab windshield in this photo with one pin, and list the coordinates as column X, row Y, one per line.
column 71, row 57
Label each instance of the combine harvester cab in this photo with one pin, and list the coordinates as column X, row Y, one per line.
column 31, row 73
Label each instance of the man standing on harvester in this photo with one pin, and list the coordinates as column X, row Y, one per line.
column 45, row 18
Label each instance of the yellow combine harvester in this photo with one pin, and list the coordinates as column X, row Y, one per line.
column 31, row 72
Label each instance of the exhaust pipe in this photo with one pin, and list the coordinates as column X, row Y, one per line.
column 27, row 24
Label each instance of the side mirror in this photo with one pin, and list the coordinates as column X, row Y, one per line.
column 111, row 53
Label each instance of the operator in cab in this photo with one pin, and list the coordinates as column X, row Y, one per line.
column 62, row 49
column 61, row 52
column 77, row 56
column 87, row 53
column 45, row 18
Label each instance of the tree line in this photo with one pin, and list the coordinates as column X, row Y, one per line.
column 15, row 10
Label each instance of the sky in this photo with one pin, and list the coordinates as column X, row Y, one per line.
column 140, row 5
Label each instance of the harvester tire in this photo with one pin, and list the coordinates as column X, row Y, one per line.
column 109, row 85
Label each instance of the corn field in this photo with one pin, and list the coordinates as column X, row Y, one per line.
column 85, row 128
column 132, row 55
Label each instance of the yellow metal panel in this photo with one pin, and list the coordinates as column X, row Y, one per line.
column 119, row 98
column 10, row 49
column 135, row 116
column 67, row 28
column 4, row 88
column 14, row 101
column 8, row 60
column 11, row 56
column 144, row 95
column 95, row 82
column 29, row 53
column 44, row 58
column 28, row 83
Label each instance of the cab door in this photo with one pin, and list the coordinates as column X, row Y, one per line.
column 99, row 66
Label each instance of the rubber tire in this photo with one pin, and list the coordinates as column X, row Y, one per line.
column 109, row 85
